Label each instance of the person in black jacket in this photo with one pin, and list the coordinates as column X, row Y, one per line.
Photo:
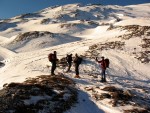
column 77, row 62
column 53, row 61
column 69, row 61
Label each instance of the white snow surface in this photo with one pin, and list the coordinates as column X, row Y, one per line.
column 23, row 60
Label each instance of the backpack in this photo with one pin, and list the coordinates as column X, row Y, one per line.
column 69, row 58
column 80, row 60
column 107, row 62
column 50, row 57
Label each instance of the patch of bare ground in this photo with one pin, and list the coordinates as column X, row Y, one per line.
column 93, row 50
column 82, row 23
column 43, row 94
column 138, row 31
column 29, row 15
column 68, row 25
column 45, row 21
column 136, row 111
column 31, row 35
column 144, row 56
column 133, row 31
column 118, row 97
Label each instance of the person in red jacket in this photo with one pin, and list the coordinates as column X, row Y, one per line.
column 103, row 67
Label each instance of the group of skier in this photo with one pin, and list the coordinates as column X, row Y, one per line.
column 104, row 63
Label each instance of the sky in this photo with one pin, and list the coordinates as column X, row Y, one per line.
column 10, row 8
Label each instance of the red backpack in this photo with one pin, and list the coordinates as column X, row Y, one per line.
column 50, row 57
column 107, row 62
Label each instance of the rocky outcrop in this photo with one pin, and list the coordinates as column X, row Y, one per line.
column 134, row 31
column 120, row 97
column 29, row 15
column 31, row 35
column 46, row 94
column 94, row 49
column 45, row 21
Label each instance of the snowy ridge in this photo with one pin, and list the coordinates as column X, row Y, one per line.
column 119, row 33
column 5, row 53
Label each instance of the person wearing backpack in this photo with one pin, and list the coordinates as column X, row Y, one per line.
column 69, row 61
column 53, row 59
column 77, row 62
column 103, row 65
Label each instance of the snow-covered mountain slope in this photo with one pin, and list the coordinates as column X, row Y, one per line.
column 35, row 40
column 119, row 33
column 5, row 53
column 76, row 17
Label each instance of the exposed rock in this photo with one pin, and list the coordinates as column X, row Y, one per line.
column 120, row 97
column 46, row 94
column 94, row 49
column 146, row 43
column 31, row 35
column 62, row 62
column 134, row 31
column 136, row 111
column 143, row 56
column 101, row 96
column 45, row 21
column 29, row 15
column 93, row 23
column 111, row 89
column 64, row 25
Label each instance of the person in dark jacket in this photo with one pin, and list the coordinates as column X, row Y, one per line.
column 53, row 62
column 69, row 61
column 103, row 68
column 77, row 62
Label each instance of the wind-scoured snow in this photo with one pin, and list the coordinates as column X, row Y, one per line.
column 119, row 33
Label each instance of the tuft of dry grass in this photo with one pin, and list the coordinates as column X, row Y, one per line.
column 54, row 94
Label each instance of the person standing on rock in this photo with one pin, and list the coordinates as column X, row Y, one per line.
column 53, row 59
